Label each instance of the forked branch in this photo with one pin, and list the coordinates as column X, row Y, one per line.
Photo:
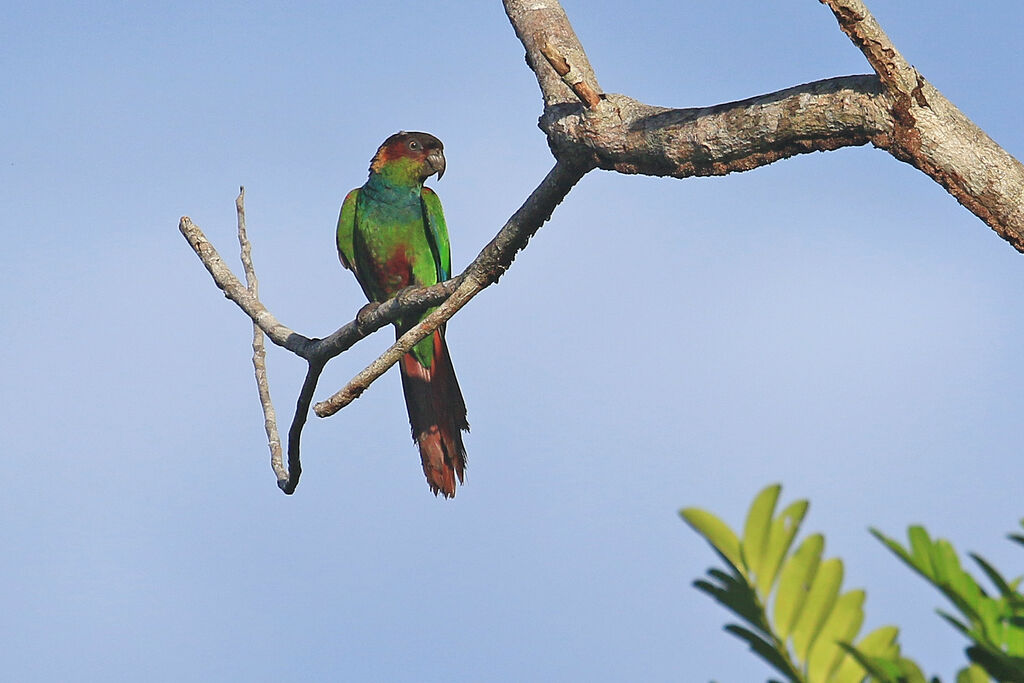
column 895, row 109
column 492, row 261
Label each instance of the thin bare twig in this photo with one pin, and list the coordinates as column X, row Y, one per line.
column 295, row 431
column 259, row 353
column 237, row 292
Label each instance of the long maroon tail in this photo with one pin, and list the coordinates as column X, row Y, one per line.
column 437, row 414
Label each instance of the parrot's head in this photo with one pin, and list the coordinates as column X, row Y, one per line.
column 419, row 155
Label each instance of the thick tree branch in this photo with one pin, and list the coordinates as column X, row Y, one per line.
column 897, row 111
column 934, row 136
column 633, row 137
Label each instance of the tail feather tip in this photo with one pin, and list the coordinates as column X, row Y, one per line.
column 440, row 468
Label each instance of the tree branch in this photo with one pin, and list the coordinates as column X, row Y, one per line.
column 895, row 110
column 933, row 135
column 570, row 76
column 259, row 354
column 372, row 317
column 492, row 261
column 298, row 422
column 633, row 137
column 542, row 24
column 237, row 292
column 860, row 26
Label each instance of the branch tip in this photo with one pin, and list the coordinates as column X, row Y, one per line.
column 285, row 478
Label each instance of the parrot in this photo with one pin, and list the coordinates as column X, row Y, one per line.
column 392, row 235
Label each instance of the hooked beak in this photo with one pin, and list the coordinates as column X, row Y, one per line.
column 436, row 162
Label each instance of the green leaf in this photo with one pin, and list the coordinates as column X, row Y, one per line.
column 879, row 644
column 991, row 626
column 972, row 674
column 819, row 602
column 910, row 672
column 850, row 671
column 945, row 563
column 1013, row 637
column 765, row 650
column 717, row 533
column 780, row 539
column 795, row 582
column 1017, row 538
column 840, row 627
column 895, row 547
column 879, row 668
column 920, row 550
column 962, row 583
column 735, row 594
column 938, row 563
column 757, row 527
column 993, row 575
column 998, row 665
column 708, row 587
column 956, row 623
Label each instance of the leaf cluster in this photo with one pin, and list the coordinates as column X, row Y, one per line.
column 992, row 620
column 796, row 617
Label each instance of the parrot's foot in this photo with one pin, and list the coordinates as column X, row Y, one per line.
column 401, row 294
column 365, row 312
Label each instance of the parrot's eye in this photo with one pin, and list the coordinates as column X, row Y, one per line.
column 414, row 144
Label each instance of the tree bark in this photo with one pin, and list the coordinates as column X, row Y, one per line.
column 896, row 110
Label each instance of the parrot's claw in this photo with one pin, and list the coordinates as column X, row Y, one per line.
column 365, row 312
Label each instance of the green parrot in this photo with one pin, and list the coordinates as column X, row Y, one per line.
column 392, row 235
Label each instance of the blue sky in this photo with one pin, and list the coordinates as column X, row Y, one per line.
column 835, row 322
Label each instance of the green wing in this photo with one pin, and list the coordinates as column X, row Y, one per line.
column 346, row 232
column 437, row 231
